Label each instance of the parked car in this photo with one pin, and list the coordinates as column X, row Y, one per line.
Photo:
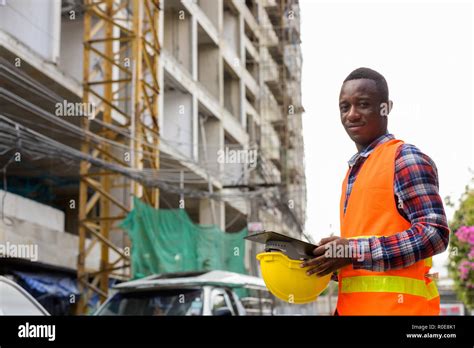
column 14, row 300
column 192, row 293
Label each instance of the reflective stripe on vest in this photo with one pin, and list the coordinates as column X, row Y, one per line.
column 401, row 285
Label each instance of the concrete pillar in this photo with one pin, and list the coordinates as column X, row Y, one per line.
column 243, row 112
column 206, row 216
column 161, row 72
column 195, row 127
column 214, row 133
column 56, row 30
column 214, row 141
column 194, row 48
column 221, row 78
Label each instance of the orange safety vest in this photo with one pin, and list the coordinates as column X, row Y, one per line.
column 372, row 211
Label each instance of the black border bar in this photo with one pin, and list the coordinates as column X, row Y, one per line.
column 287, row 330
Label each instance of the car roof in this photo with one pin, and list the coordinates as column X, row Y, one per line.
column 25, row 293
column 187, row 279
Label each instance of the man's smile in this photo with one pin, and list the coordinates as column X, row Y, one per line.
column 355, row 127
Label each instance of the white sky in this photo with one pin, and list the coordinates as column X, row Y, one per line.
column 425, row 52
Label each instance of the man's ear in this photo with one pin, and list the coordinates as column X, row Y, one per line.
column 385, row 108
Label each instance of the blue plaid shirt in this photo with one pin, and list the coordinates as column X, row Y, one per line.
column 418, row 200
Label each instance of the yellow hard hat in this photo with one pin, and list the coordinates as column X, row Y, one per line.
column 288, row 281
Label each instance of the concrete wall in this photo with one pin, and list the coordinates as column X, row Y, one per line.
column 208, row 69
column 71, row 51
column 270, row 110
column 27, row 210
column 234, row 173
column 178, row 121
column 232, row 95
column 270, row 68
column 34, row 23
column 232, row 32
column 270, row 142
column 27, row 222
column 212, row 9
column 206, row 217
column 214, row 141
column 177, row 36
column 271, row 220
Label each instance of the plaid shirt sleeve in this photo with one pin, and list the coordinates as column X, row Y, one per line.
column 416, row 188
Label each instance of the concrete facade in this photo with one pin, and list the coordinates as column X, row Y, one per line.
column 221, row 80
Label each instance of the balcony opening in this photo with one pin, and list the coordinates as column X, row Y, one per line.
column 252, row 66
column 211, row 141
column 208, row 63
column 210, row 8
column 177, row 33
column 231, row 91
column 177, row 117
column 232, row 28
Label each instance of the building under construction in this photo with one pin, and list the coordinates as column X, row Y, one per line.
column 190, row 107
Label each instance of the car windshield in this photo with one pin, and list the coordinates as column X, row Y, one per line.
column 155, row 302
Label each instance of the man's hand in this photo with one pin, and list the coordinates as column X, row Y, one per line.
column 327, row 260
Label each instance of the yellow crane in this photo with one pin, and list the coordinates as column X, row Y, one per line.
column 121, row 56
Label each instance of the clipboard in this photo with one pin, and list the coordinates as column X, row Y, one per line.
column 293, row 248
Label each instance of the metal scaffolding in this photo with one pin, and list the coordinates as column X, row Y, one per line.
column 281, row 68
column 121, row 52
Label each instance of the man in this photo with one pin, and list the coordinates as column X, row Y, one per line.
column 392, row 217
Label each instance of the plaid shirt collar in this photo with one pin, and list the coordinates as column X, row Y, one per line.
column 370, row 148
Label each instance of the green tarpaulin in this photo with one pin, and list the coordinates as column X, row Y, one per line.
column 166, row 240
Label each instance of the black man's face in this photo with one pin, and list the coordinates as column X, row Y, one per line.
column 360, row 110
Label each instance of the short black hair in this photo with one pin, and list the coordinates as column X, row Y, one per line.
column 366, row 73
